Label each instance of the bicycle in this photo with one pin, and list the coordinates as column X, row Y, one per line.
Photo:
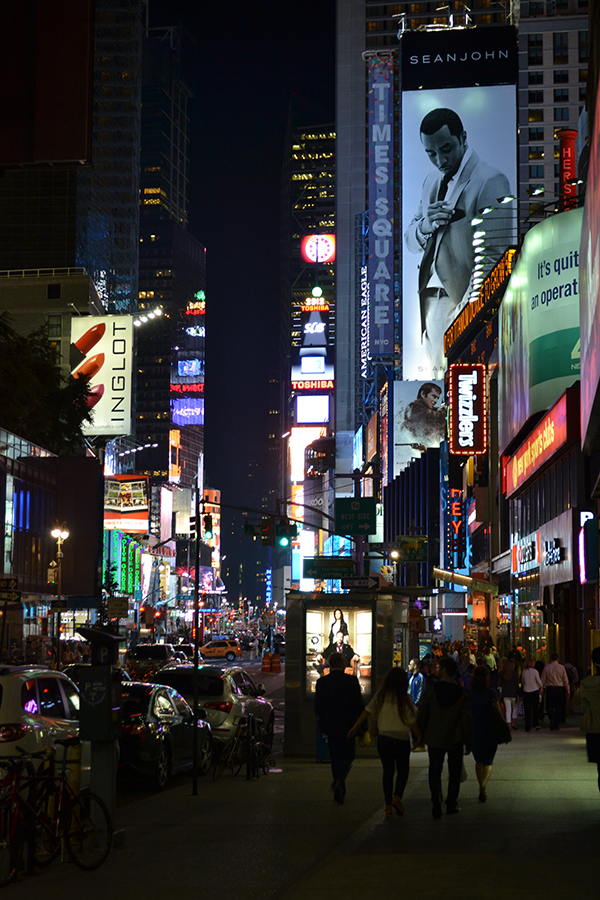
column 233, row 753
column 249, row 744
column 51, row 817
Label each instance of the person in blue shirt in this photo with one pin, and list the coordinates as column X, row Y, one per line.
column 416, row 684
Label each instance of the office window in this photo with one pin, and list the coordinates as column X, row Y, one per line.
column 557, row 170
column 561, row 95
column 583, row 75
column 561, row 76
column 536, row 171
column 561, row 113
column 54, row 326
column 584, row 46
column 560, row 46
column 582, row 94
column 535, row 78
column 535, row 51
column 536, row 8
column 536, row 115
column 536, row 152
column 536, row 96
column 536, row 134
column 53, row 291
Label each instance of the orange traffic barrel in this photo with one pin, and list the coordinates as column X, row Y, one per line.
column 266, row 662
column 275, row 662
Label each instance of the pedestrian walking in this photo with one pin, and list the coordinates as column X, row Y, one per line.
column 396, row 717
column 556, row 687
column 589, row 691
column 338, row 704
column 483, row 699
column 508, row 689
column 416, row 683
column 444, row 719
column 531, row 684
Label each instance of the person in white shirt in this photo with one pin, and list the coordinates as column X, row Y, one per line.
column 556, row 685
column 396, row 720
column 531, row 684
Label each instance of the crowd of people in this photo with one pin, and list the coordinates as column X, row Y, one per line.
column 454, row 701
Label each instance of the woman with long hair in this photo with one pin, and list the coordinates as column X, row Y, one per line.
column 484, row 745
column 531, row 684
column 338, row 624
column 396, row 718
column 508, row 688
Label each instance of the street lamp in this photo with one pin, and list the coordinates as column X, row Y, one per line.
column 60, row 533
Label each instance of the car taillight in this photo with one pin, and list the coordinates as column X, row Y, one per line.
column 133, row 727
column 221, row 707
column 12, row 732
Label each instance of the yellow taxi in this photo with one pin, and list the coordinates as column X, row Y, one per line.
column 221, row 649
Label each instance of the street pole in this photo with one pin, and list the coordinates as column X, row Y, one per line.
column 61, row 534
column 196, row 644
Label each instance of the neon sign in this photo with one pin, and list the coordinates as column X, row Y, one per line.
column 318, row 248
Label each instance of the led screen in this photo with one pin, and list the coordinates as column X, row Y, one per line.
column 187, row 412
column 188, row 368
column 312, row 409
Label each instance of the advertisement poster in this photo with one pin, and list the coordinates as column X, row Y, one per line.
column 459, row 156
column 312, row 361
column 345, row 631
column 126, row 504
column 419, row 419
column 101, row 351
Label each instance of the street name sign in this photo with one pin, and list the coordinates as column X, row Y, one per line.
column 59, row 605
column 328, row 567
column 356, row 515
column 367, row 583
column 412, row 548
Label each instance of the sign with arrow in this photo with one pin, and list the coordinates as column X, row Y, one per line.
column 11, row 596
column 8, row 584
column 366, row 584
column 355, row 515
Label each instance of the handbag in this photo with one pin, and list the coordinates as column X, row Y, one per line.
column 500, row 728
column 364, row 739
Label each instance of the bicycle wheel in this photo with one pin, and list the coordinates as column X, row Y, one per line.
column 11, row 843
column 225, row 758
column 47, row 842
column 89, row 834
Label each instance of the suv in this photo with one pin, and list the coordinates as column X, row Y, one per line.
column 221, row 648
column 37, row 706
column 225, row 694
column 146, row 659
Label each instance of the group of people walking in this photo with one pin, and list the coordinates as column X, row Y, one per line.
column 433, row 707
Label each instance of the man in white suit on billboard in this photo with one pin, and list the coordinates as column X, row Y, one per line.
column 441, row 229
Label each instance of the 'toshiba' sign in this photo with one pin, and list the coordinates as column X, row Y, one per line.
column 468, row 409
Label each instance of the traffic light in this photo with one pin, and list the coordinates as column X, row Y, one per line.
column 192, row 528
column 267, row 532
column 208, row 528
column 286, row 532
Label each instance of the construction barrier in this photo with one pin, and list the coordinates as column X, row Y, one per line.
column 266, row 662
column 275, row 662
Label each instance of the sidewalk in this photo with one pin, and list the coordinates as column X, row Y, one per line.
column 538, row 835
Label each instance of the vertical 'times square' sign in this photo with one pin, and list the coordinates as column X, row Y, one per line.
column 468, row 409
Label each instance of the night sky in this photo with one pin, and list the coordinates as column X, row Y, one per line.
column 248, row 62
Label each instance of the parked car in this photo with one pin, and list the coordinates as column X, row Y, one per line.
column 157, row 733
column 76, row 670
column 221, row 648
column 188, row 651
column 37, row 707
column 145, row 659
column 225, row 694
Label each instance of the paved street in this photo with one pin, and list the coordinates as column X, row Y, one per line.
column 283, row 836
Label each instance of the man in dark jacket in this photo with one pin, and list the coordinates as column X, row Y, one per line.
column 444, row 719
column 338, row 704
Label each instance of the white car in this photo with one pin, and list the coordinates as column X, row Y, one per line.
column 37, row 707
column 225, row 693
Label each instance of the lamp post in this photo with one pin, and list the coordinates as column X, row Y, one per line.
column 61, row 533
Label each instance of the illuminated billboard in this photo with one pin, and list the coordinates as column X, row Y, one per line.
column 312, row 361
column 188, row 411
column 380, row 263
column 539, row 323
column 467, row 434
column 101, row 351
column 590, row 294
column 459, row 156
column 126, row 503
column 346, row 631
column 418, row 420
column 315, row 248
column 312, row 409
column 300, row 438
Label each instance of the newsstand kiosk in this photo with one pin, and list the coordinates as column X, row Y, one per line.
column 361, row 623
